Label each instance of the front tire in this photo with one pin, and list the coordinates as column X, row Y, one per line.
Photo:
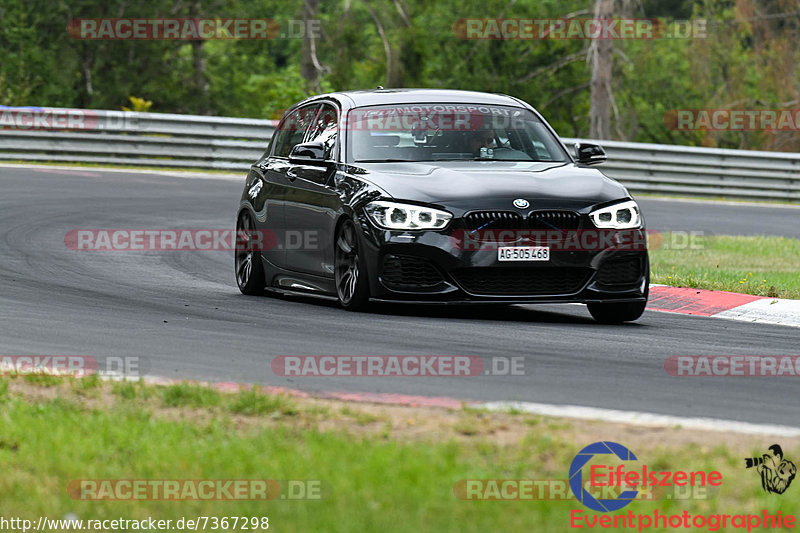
column 247, row 257
column 617, row 313
column 350, row 273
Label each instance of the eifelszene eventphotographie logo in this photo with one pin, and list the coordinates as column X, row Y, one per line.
column 776, row 472
column 607, row 466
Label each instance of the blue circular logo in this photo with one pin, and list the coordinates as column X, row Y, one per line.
column 576, row 477
column 521, row 203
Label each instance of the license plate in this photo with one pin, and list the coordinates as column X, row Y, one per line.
column 523, row 253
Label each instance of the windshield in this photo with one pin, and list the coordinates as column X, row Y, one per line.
column 449, row 132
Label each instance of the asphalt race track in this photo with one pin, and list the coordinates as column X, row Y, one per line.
column 721, row 218
column 183, row 313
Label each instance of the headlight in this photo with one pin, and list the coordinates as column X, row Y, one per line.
column 391, row 215
column 624, row 215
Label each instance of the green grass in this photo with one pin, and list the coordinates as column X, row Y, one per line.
column 124, row 389
column 763, row 266
column 359, row 417
column 190, row 395
column 254, row 402
column 44, row 380
column 370, row 482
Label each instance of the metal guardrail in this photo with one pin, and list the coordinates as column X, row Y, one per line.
column 692, row 171
column 189, row 141
column 131, row 138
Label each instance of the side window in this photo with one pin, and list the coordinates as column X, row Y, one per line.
column 292, row 129
column 325, row 129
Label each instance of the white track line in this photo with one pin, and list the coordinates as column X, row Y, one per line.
column 200, row 174
column 707, row 201
column 643, row 419
column 767, row 311
column 764, row 310
column 634, row 418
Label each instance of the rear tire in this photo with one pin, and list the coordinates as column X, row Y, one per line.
column 247, row 257
column 350, row 272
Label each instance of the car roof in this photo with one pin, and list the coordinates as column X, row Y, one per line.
column 417, row 96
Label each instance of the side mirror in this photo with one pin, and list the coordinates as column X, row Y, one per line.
column 312, row 153
column 590, row 154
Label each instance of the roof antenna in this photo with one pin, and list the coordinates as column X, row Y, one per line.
column 380, row 87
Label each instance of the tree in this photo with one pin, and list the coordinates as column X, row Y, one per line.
column 310, row 67
column 600, row 57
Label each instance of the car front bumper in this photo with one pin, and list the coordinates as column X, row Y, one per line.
column 434, row 267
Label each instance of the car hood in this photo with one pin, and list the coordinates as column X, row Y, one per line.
column 492, row 184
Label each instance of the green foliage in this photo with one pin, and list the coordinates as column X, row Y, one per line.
column 748, row 61
column 138, row 104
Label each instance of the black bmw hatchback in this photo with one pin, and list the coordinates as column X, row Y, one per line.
column 437, row 196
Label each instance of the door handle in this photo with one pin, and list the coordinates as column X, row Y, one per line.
column 291, row 175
